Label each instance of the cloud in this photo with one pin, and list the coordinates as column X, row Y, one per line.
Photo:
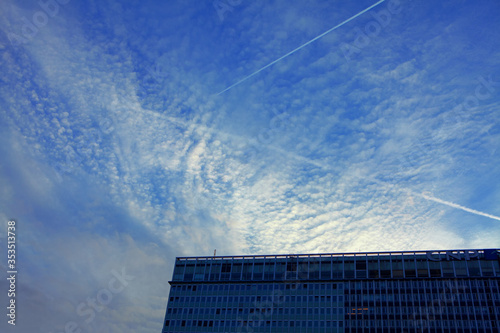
column 117, row 154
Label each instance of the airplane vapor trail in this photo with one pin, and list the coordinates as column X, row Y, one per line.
column 302, row 46
column 454, row 205
column 328, row 167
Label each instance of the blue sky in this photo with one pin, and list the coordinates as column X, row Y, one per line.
column 118, row 152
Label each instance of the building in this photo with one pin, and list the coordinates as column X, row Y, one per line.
column 408, row 291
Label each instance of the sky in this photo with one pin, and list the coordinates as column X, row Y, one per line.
column 133, row 133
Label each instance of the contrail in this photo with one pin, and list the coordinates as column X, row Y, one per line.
column 303, row 45
column 324, row 166
column 327, row 167
column 454, row 205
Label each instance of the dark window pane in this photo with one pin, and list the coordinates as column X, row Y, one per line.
column 473, row 268
column 397, row 268
column 410, row 268
column 422, row 270
column 179, row 272
column 461, row 268
column 447, row 268
column 487, row 268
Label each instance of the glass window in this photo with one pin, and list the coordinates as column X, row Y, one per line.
column 487, row 267
column 349, row 268
column 422, row 270
column 247, row 271
column 314, row 267
column 385, row 268
column 199, row 271
column 215, row 272
column 397, row 267
column 236, row 271
column 303, row 268
column 189, row 272
column 460, row 267
column 435, row 268
column 179, row 271
column 496, row 266
column 291, row 268
column 360, row 263
column 410, row 267
column 269, row 271
column 337, row 268
column 473, row 266
column 373, row 267
column 258, row 269
column 447, row 268
column 326, row 268
column 280, row 270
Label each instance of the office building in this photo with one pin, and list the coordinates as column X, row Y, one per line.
column 407, row 291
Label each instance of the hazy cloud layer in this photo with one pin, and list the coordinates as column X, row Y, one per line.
column 117, row 154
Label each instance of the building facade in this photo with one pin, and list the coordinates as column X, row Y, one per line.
column 423, row 291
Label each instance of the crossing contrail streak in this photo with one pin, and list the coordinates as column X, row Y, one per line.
column 327, row 167
column 303, row 45
column 454, row 205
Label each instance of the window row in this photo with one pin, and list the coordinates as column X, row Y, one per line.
column 422, row 324
column 423, row 298
column 268, row 311
column 456, row 284
column 423, row 312
column 252, row 299
column 333, row 268
column 255, row 287
column 254, row 323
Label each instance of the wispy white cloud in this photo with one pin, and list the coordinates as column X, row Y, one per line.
column 318, row 155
